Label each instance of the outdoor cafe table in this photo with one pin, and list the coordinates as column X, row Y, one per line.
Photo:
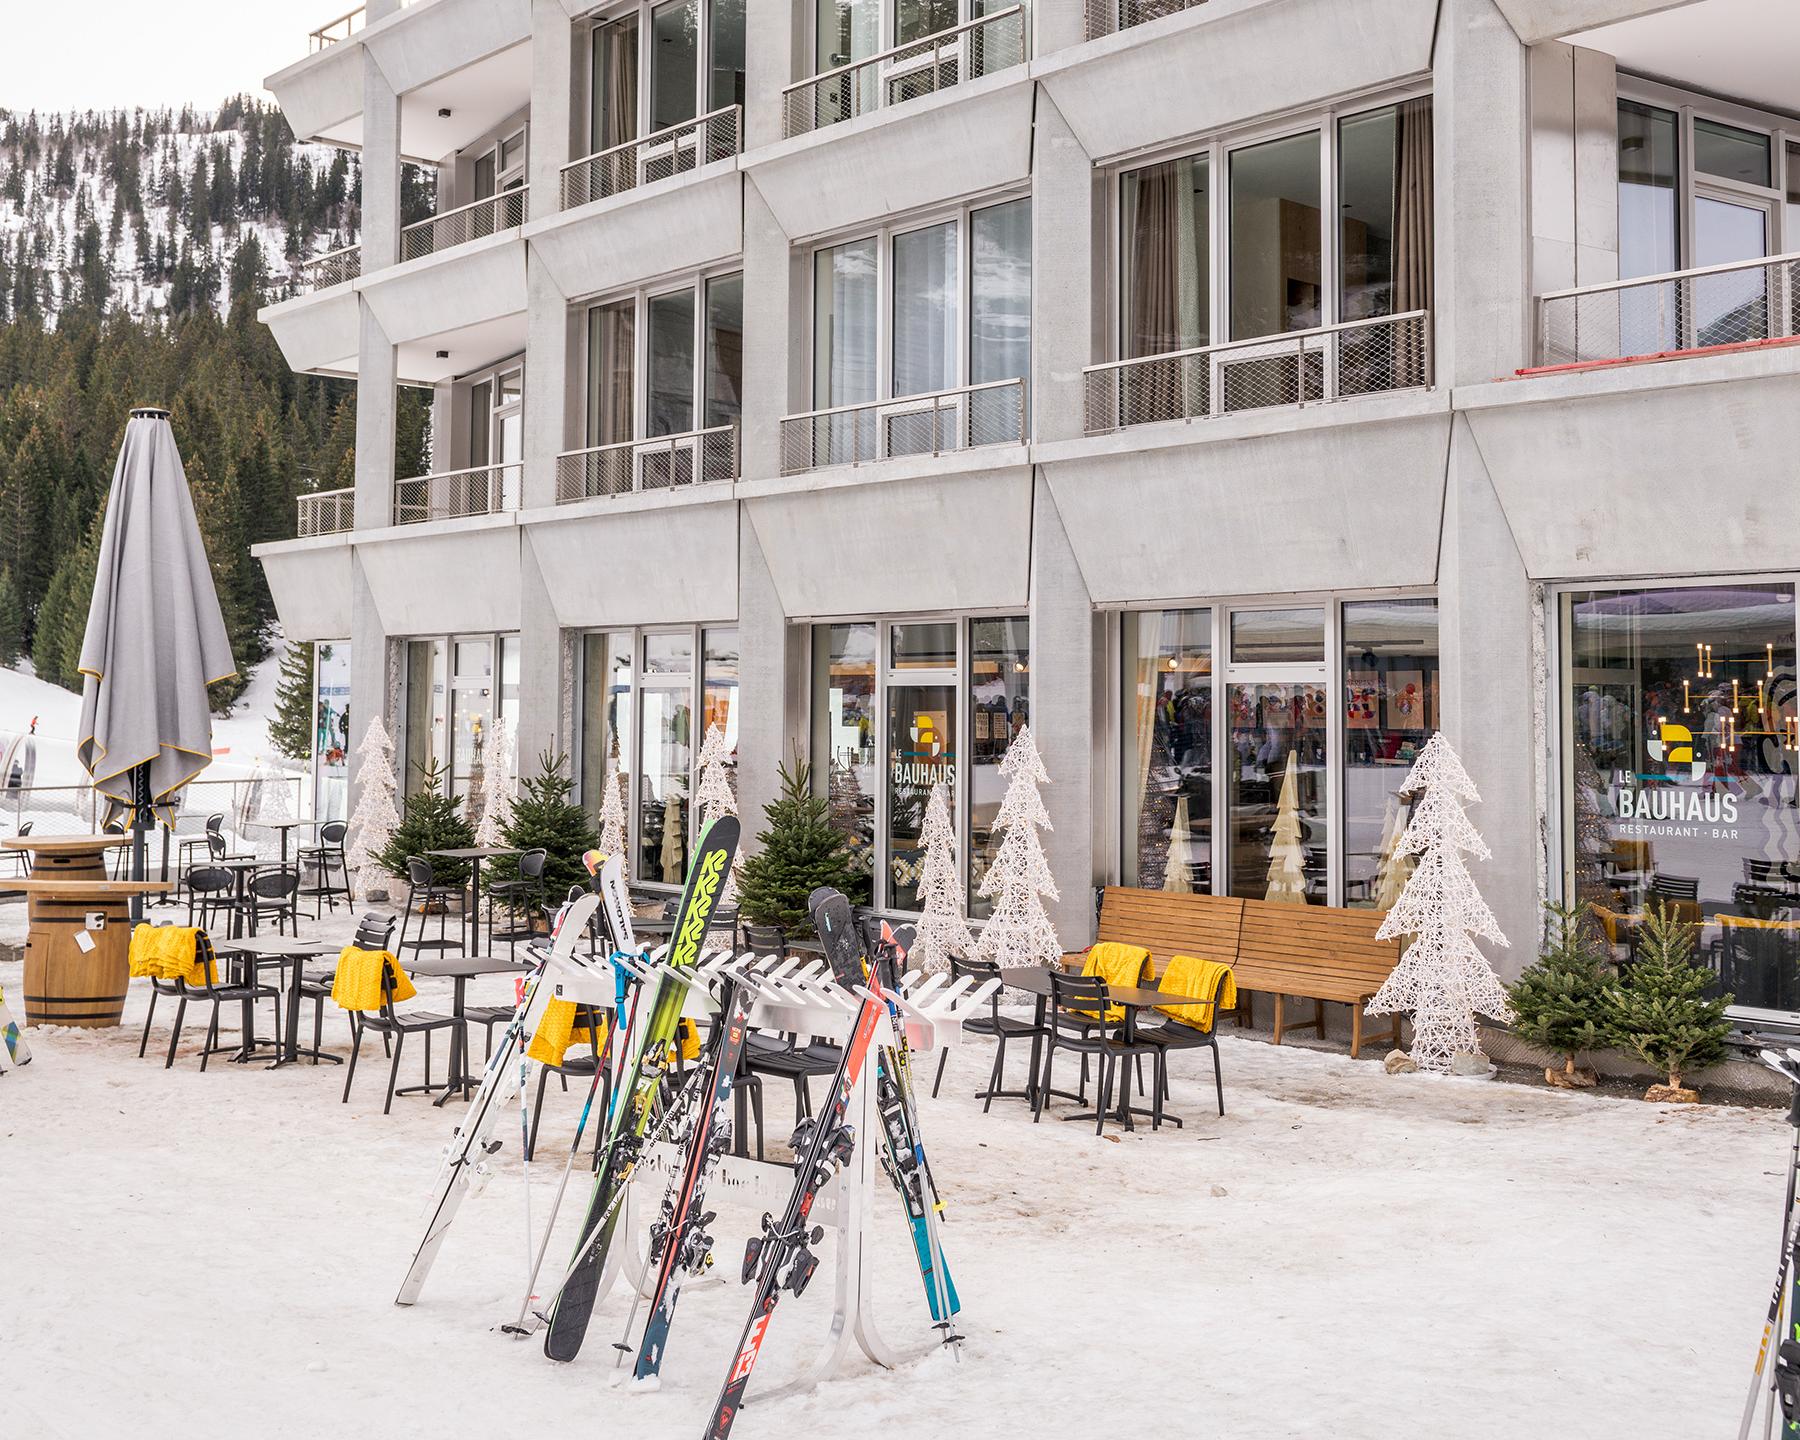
column 474, row 854
column 281, row 827
column 282, row 949
column 1035, row 981
column 461, row 969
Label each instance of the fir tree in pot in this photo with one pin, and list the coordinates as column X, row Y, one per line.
column 1657, row 1010
column 798, row 852
column 1557, row 1003
column 544, row 817
column 431, row 820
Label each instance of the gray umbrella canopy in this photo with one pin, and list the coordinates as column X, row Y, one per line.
column 155, row 637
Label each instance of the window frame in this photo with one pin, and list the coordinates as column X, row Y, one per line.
column 644, row 9
column 887, row 29
column 442, row 747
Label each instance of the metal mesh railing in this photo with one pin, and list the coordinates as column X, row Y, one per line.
column 697, row 457
column 1106, row 17
column 333, row 31
column 1302, row 367
column 465, row 223
column 674, row 151
column 964, row 419
column 1738, row 304
column 53, row 810
column 334, row 268
column 920, row 67
column 480, row 490
column 327, row 512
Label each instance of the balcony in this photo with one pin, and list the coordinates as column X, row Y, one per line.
column 454, row 494
column 666, row 462
column 1108, row 17
column 1302, row 367
column 674, row 151
column 332, row 31
column 947, row 420
column 487, row 216
column 1686, row 312
column 907, row 72
column 337, row 267
column 327, row 512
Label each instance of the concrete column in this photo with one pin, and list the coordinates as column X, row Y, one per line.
column 552, row 103
column 771, row 683
column 1482, row 139
column 376, row 371
column 540, row 670
column 774, row 57
column 1064, row 331
column 1493, row 695
column 551, row 384
column 380, row 169
column 1062, row 714
column 769, row 341
column 1056, row 25
column 374, row 10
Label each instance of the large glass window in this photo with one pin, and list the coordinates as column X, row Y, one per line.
column 719, row 690
column 331, row 730
column 665, row 755
column 1649, row 180
column 1678, row 774
column 727, row 86
column 1276, row 796
column 471, row 709
column 1276, row 279
column 922, row 739
column 605, row 715
column 724, row 350
column 671, row 396
column 649, row 67
column 1000, row 292
column 844, row 731
column 844, row 310
column 453, row 693
column 1390, row 711
column 1164, row 249
column 999, row 700
column 426, row 696
column 1166, row 750
column 614, row 117
column 674, row 62
column 925, row 310
column 612, row 363
column 1385, row 211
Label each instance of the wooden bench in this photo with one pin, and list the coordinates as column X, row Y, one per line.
column 1311, row 952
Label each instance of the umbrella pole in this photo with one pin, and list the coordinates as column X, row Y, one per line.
column 140, row 809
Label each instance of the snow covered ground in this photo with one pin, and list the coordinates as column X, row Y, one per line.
column 1345, row 1253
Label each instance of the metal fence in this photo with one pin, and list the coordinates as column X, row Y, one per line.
column 480, row 490
column 466, row 222
column 962, row 419
column 334, row 268
column 1714, row 305
column 664, row 462
column 333, row 31
column 920, row 67
column 327, row 512
column 674, row 151
column 1106, row 17
column 1302, row 367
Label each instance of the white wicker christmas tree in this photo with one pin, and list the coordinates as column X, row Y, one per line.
column 713, row 796
column 1443, row 979
column 1287, row 852
column 376, row 814
column 612, row 815
column 942, row 931
column 1019, row 931
column 496, row 782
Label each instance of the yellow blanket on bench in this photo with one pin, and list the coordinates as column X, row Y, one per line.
column 357, row 985
column 1192, row 975
column 173, row 952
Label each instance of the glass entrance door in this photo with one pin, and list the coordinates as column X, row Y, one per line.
column 1276, row 795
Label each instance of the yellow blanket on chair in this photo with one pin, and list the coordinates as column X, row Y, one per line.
column 1191, row 975
column 358, row 982
column 557, row 1031
column 173, row 952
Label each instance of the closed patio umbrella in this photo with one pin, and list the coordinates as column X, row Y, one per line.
column 155, row 639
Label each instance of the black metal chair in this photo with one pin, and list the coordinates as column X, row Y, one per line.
column 1081, row 1022
column 220, row 991
column 209, row 895
column 523, row 896
column 185, row 855
column 387, row 1021
column 423, row 893
column 1000, row 1028
column 373, row 932
column 321, row 857
column 766, row 940
column 18, row 861
column 1184, row 1033
column 273, row 893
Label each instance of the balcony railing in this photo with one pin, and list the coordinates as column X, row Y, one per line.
column 464, row 223
column 965, row 419
column 674, row 151
column 1106, row 17
column 907, row 72
column 1686, row 310
column 334, row 268
column 482, row 490
column 663, row 462
column 333, row 31
column 1302, row 367
column 327, row 512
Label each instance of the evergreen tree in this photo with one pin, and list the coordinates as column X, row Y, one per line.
column 12, row 620
column 543, row 816
column 291, row 727
column 1557, row 1002
column 431, row 820
column 798, row 852
column 1658, row 1011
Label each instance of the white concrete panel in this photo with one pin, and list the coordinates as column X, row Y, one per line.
column 322, row 91
column 419, row 575
column 310, row 581
column 682, row 223
column 1225, row 63
column 964, row 141
column 316, row 332
column 1537, row 20
column 639, row 561
column 465, row 285
column 424, row 43
column 858, row 544
column 1330, row 506
column 1745, row 49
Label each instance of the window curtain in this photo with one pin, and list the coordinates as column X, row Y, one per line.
column 1167, row 304
column 1413, row 189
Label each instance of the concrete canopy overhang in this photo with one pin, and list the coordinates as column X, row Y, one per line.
column 683, row 223
column 478, row 283
column 1347, row 496
column 317, row 333
column 639, row 560
column 1540, row 20
column 310, row 582
column 419, row 575
column 1746, row 50
column 322, row 94
column 1681, row 467
column 1230, row 61
column 964, row 141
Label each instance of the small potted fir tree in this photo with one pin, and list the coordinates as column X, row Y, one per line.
column 1557, row 1002
column 1657, row 1010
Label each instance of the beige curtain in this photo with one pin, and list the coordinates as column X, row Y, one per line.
column 1412, row 206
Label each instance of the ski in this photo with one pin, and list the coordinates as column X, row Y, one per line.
column 638, row 1083
column 782, row 1258
column 679, row 1244
column 13, row 1049
column 466, row 1155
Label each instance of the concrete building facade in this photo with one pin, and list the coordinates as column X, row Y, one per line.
column 1238, row 391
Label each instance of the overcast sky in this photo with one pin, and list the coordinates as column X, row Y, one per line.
column 107, row 54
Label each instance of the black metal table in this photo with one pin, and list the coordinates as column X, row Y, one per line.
column 283, row 950
column 474, row 854
column 461, row 969
column 281, row 827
